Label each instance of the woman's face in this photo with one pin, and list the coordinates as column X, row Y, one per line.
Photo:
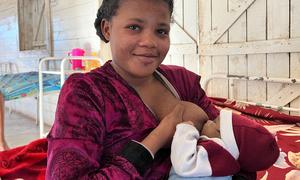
column 139, row 37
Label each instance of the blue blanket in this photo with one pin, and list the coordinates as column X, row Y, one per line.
column 14, row 86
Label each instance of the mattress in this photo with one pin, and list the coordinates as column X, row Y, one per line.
column 15, row 86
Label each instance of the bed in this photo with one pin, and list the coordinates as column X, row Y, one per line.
column 19, row 85
column 15, row 85
column 30, row 161
column 286, row 128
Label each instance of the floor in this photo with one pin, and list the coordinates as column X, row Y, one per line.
column 20, row 130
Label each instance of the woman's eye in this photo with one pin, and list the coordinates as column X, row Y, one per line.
column 133, row 27
column 162, row 32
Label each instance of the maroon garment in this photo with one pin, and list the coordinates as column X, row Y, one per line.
column 98, row 113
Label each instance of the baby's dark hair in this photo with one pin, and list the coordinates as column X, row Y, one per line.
column 109, row 8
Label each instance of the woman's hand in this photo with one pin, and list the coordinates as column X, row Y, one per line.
column 194, row 113
column 162, row 135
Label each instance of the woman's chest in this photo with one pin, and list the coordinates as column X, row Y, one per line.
column 159, row 100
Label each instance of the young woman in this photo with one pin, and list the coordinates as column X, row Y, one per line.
column 117, row 122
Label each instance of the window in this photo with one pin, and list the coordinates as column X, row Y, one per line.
column 34, row 21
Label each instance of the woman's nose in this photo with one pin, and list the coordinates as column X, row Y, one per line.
column 148, row 39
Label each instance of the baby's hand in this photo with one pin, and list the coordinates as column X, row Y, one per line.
column 211, row 129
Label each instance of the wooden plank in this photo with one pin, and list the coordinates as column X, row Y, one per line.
column 181, row 41
column 190, row 24
column 48, row 28
column 190, row 18
column 191, row 62
column 39, row 34
column 219, row 63
column 177, row 59
column 205, row 19
column 205, row 72
column 295, row 57
column 252, row 47
column 179, row 35
column 183, row 49
column 257, row 63
column 205, row 62
column 285, row 95
column 237, row 63
column 21, row 24
column 277, row 28
column 178, row 12
column 219, row 86
column 226, row 20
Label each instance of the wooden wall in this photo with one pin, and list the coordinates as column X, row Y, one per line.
column 236, row 37
column 243, row 38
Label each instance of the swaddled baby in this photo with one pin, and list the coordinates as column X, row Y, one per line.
column 218, row 149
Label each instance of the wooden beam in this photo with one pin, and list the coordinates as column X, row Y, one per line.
column 285, row 95
column 49, row 34
column 228, row 20
column 181, row 41
column 178, row 35
column 254, row 47
column 189, row 48
column 39, row 23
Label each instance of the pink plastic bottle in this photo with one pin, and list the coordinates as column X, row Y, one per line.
column 77, row 63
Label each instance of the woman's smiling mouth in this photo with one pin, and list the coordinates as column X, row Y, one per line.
column 146, row 58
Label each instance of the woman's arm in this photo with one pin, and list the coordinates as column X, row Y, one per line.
column 163, row 133
column 78, row 136
column 77, row 139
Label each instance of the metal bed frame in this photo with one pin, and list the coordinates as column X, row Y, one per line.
column 62, row 72
column 8, row 68
column 255, row 78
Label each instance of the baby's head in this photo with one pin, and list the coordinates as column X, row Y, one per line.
column 109, row 8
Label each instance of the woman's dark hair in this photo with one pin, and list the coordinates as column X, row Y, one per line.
column 109, row 8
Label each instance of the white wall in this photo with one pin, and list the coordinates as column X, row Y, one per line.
column 72, row 26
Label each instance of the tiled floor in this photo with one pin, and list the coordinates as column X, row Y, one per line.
column 20, row 130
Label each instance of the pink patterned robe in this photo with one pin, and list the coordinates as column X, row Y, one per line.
column 98, row 113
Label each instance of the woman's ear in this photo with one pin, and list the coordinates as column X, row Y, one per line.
column 105, row 28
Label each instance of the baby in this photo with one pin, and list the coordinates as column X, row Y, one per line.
column 225, row 146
